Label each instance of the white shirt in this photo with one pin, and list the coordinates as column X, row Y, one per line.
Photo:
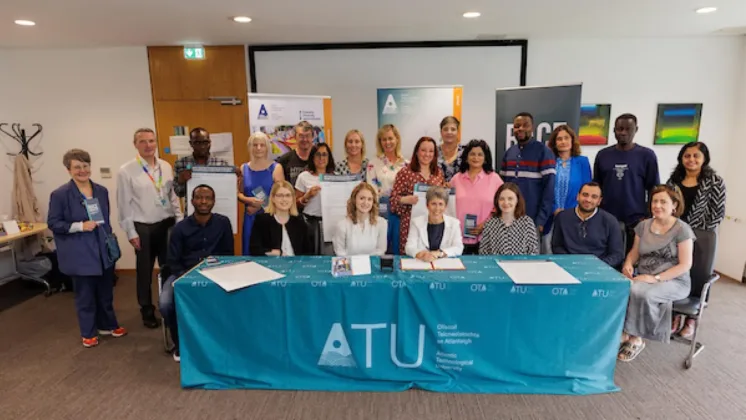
column 138, row 200
column 286, row 247
column 305, row 181
column 361, row 238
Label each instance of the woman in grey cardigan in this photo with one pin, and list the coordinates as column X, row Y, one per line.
column 663, row 251
column 704, row 201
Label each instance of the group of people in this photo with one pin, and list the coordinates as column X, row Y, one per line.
column 543, row 199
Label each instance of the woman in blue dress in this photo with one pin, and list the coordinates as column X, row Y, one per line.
column 256, row 180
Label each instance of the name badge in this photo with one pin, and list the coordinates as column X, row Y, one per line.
column 93, row 209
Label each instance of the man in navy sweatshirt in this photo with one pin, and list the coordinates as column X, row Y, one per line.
column 530, row 164
column 627, row 173
column 586, row 229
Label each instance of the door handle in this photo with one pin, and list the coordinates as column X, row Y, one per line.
column 226, row 100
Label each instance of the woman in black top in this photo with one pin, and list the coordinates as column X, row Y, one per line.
column 704, row 198
column 280, row 231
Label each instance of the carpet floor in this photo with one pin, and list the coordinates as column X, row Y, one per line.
column 46, row 374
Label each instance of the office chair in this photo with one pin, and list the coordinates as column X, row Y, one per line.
column 168, row 345
column 703, row 277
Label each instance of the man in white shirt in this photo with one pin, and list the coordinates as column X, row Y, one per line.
column 148, row 208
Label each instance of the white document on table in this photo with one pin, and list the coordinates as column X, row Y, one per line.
column 237, row 276
column 420, row 209
column 536, row 272
column 414, row 264
column 335, row 191
column 448, row 264
column 222, row 179
column 179, row 145
column 360, row 265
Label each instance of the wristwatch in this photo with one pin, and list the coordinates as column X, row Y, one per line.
column 657, row 277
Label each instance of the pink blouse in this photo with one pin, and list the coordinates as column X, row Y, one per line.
column 475, row 197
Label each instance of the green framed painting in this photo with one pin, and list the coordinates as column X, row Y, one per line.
column 677, row 123
column 594, row 124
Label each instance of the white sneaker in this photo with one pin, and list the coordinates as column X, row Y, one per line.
column 176, row 356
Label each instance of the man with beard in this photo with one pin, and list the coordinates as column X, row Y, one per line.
column 200, row 235
column 626, row 172
column 587, row 229
column 530, row 164
column 296, row 161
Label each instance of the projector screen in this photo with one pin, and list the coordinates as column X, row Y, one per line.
column 352, row 76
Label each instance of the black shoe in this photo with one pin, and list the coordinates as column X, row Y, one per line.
column 150, row 321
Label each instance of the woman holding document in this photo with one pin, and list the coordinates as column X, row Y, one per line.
column 509, row 231
column 86, row 249
column 307, row 190
column 280, row 231
column 255, row 182
column 435, row 235
column 362, row 232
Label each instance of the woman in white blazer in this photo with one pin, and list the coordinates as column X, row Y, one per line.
column 435, row 235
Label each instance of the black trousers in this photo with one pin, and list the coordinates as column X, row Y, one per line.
column 153, row 244
column 471, row 249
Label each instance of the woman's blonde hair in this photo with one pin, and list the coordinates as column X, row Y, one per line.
column 276, row 187
column 258, row 135
column 362, row 140
column 352, row 208
column 381, row 132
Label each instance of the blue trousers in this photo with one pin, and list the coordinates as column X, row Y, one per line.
column 94, row 302
column 167, row 306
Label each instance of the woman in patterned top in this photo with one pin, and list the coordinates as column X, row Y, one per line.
column 663, row 249
column 355, row 161
column 509, row 231
column 450, row 151
column 423, row 170
column 704, row 199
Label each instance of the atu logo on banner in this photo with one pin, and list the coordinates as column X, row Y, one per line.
column 337, row 351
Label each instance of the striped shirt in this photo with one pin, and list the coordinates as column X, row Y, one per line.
column 187, row 163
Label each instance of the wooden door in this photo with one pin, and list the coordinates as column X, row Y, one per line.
column 181, row 98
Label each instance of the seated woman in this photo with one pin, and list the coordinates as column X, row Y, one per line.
column 662, row 249
column 435, row 235
column 362, row 232
column 509, row 231
column 280, row 230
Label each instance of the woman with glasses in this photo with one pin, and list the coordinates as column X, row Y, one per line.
column 280, row 230
column 308, row 190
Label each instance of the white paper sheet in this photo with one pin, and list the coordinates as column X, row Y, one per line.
column 221, row 143
column 224, row 185
column 536, row 272
column 414, row 264
column 420, row 209
column 448, row 264
column 360, row 265
column 237, row 276
column 335, row 191
column 179, row 145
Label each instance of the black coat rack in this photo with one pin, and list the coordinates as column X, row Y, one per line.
column 19, row 134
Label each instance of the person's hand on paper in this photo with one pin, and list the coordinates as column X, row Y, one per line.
column 135, row 243
column 409, row 200
column 185, row 176
column 274, row 253
column 628, row 270
column 426, row 256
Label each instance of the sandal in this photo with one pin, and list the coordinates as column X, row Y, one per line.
column 630, row 350
column 677, row 324
column 688, row 330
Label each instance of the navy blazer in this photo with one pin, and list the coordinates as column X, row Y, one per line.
column 580, row 174
column 80, row 253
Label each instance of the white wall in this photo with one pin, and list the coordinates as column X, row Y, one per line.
column 634, row 75
column 92, row 99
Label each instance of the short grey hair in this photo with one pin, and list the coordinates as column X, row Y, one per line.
column 303, row 126
column 258, row 135
column 142, row 130
column 75, row 154
column 436, row 192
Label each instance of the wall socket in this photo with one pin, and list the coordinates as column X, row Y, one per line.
column 105, row 172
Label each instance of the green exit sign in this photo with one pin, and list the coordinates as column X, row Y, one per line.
column 194, row 53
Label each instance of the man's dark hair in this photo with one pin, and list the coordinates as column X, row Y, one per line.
column 524, row 114
column 626, row 116
column 592, row 184
column 203, row 186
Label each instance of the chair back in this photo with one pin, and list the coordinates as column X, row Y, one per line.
column 703, row 260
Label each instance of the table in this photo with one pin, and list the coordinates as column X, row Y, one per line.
column 10, row 240
column 461, row 331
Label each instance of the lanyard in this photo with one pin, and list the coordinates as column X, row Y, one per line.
column 158, row 184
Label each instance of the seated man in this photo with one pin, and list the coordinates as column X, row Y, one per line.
column 196, row 237
column 587, row 229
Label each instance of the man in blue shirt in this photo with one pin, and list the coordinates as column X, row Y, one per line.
column 530, row 164
column 200, row 235
column 586, row 229
column 627, row 172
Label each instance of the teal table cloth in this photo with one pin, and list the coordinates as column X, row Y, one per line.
column 471, row 331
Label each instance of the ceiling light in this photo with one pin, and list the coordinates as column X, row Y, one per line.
column 242, row 19
column 471, row 15
column 25, row 22
column 705, row 10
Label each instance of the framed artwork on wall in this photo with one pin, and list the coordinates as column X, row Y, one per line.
column 677, row 123
column 594, row 124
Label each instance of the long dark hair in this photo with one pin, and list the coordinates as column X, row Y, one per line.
column 679, row 172
column 330, row 163
column 414, row 164
column 473, row 144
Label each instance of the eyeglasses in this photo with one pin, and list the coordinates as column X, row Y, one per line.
column 200, row 142
column 321, row 155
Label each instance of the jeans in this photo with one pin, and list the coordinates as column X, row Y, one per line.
column 167, row 307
